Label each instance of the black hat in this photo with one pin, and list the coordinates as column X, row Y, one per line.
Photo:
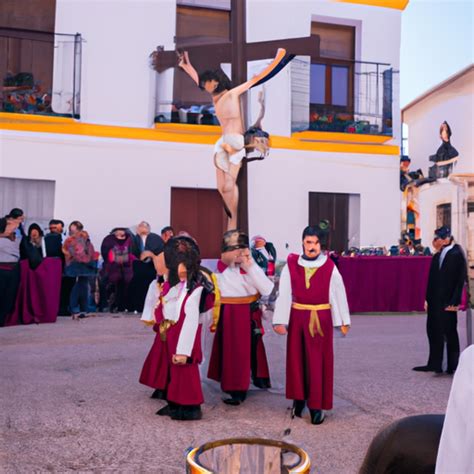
column 442, row 233
column 233, row 240
column 405, row 158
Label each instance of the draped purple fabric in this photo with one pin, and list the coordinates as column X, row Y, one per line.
column 385, row 284
column 37, row 300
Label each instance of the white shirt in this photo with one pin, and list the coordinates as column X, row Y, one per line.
column 173, row 301
column 233, row 283
column 9, row 250
column 444, row 252
column 337, row 294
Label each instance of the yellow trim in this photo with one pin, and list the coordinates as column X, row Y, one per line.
column 216, row 310
column 395, row 4
column 341, row 137
column 182, row 133
column 332, row 147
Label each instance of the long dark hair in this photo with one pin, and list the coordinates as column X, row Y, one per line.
column 183, row 250
column 35, row 226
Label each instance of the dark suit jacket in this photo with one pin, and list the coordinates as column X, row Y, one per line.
column 53, row 243
column 154, row 243
column 445, row 284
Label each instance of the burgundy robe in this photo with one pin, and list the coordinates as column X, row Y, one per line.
column 181, row 383
column 234, row 358
column 310, row 360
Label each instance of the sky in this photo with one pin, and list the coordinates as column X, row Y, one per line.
column 437, row 42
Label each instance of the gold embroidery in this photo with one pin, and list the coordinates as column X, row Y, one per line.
column 164, row 326
column 308, row 273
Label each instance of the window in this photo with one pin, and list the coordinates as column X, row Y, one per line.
column 196, row 26
column 26, row 55
column 332, row 77
column 443, row 215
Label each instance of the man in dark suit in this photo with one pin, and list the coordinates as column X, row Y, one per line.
column 54, row 240
column 144, row 272
column 446, row 280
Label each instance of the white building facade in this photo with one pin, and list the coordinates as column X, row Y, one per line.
column 112, row 166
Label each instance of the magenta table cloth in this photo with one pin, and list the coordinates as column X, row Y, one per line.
column 37, row 300
column 385, row 284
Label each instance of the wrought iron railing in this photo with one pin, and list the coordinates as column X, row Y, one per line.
column 41, row 73
column 351, row 97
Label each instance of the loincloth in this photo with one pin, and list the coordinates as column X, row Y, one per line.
column 222, row 159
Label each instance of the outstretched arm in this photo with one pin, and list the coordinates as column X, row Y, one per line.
column 258, row 77
column 185, row 64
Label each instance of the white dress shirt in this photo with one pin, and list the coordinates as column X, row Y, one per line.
column 172, row 303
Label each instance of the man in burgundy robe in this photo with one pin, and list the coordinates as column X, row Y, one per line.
column 238, row 351
column 312, row 300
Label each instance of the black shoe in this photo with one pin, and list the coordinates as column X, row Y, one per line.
column 450, row 371
column 298, row 407
column 261, row 382
column 166, row 411
column 236, row 398
column 317, row 416
column 159, row 394
column 187, row 413
column 423, row 368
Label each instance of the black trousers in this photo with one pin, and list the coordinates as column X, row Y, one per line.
column 143, row 275
column 441, row 327
column 9, row 282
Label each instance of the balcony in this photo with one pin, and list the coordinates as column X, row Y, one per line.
column 40, row 72
column 350, row 97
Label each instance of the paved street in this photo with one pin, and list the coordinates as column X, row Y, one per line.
column 71, row 400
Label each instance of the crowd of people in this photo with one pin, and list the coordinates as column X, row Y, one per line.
column 115, row 279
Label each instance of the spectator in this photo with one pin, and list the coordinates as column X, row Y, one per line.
column 36, row 243
column 9, row 267
column 80, row 265
column 143, row 269
column 264, row 254
column 54, row 239
column 54, row 248
column 166, row 233
column 18, row 216
column 146, row 240
column 117, row 271
column 446, row 281
column 56, row 226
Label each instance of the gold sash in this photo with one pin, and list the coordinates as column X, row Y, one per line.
column 220, row 300
column 314, row 319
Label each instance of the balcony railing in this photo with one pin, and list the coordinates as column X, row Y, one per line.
column 351, row 97
column 41, row 73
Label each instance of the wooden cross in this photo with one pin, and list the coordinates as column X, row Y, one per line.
column 239, row 52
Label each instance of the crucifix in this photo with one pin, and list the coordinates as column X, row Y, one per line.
column 238, row 52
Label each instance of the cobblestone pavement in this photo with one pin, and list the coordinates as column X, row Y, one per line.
column 71, row 401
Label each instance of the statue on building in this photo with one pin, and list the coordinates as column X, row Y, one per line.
column 446, row 155
column 409, row 184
